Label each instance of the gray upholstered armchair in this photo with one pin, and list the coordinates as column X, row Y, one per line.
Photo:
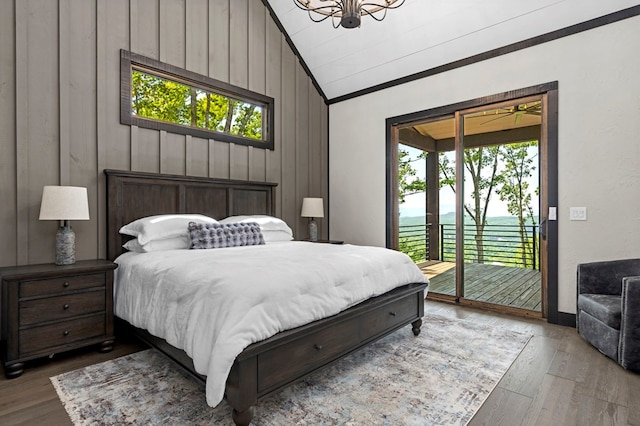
column 609, row 309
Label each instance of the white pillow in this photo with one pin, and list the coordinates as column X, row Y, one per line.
column 175, row 243
column 267, row 223
column 162, row 226
column 276, row 236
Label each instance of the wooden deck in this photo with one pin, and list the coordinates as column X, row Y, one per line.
column 502, row 285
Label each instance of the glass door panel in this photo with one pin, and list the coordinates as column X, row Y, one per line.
column 501, row 204
column 427, row 206
column 442, row 271
column 412, row 203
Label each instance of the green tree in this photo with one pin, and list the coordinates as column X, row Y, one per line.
column 481, row 166
column 408, row 183
column 211, row 111
column 417, row 252
column 447, row 172
column 248, row 120
column 159, row 99
column 518, row 166
column 167, row 100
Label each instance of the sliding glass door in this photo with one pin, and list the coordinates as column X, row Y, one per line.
column 498, row 224
column 471, row 194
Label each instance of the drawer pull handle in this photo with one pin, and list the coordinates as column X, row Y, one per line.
column 393, row 314
column 66, row 306
column 65, row 284
column 318, row 347
column 65, row 333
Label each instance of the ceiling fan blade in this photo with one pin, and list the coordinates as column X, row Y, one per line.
column 504, row 115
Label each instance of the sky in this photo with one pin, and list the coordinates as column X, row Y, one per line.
column 414, row 205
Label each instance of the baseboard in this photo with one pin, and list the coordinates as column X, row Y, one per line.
column 566, row 319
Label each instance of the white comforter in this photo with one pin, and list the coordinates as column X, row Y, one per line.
column 214, row 303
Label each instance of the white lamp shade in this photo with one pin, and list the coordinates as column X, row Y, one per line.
column 312, row 207
column 64, row 203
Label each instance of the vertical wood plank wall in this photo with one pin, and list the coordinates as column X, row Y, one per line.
column 60, row 100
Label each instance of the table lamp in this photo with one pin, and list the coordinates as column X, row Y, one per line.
column 312, row 207
column 64, row 203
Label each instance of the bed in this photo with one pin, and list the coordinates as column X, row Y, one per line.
column 273, row 363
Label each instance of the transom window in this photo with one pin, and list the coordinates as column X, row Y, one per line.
column 164, row 97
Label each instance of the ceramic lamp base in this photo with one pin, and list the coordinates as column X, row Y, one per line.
column 313, row 230
column 65, row 245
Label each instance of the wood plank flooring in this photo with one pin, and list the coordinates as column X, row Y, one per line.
column 501, row 285
column 558, row 379
column 31, row 399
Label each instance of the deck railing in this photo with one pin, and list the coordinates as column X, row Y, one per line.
column 500, row 244
column 414, row 241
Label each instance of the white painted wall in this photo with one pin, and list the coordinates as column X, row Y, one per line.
column 598, row 73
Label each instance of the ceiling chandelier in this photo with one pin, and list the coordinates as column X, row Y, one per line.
column 347, row 13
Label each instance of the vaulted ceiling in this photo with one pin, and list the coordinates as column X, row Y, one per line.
column 423, row 35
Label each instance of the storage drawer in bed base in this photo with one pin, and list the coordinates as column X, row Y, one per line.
column 256, row 373
column 268, row 366
column 319, row 345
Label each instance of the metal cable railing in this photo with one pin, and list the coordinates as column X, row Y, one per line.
column 498, row 244
column 414, row 241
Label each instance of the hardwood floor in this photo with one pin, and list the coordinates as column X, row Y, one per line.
column 558, row 379
column 31, row 399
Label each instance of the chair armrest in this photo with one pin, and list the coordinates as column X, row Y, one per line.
column 629, row 349
column 606, row 277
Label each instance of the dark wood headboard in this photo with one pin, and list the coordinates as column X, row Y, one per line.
column 132, row 195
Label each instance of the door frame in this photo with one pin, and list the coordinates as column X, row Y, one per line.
column 549, row 131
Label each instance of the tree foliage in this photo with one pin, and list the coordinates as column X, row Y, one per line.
column 159, row 99
column 518, row 166
column 408, row 183
column 171, row 101
column 481, row 165
column 500, row 169
column 417, row 252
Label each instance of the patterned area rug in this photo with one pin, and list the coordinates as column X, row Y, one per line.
column 438, row 378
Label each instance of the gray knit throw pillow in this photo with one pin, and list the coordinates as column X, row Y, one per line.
column 218, row 235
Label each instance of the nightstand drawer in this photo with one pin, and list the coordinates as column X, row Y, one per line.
column 56, row 285
column 59, row 307
column 49, row 337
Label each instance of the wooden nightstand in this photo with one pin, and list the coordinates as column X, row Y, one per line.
column 49, row 308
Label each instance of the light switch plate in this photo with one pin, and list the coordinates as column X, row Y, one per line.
column 577, row 213
column 553, row 213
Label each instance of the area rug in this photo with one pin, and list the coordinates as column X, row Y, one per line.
column 440, row 377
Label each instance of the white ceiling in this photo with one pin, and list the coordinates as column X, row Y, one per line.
column 424, row 34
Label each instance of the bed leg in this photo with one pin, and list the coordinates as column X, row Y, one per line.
column 243, row 418
column 415, row 326
column 242, row 389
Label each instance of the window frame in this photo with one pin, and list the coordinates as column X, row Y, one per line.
column 129, row 60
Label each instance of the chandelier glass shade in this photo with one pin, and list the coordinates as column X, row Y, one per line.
column 347, row 13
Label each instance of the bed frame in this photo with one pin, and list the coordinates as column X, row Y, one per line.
column 272, row 364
